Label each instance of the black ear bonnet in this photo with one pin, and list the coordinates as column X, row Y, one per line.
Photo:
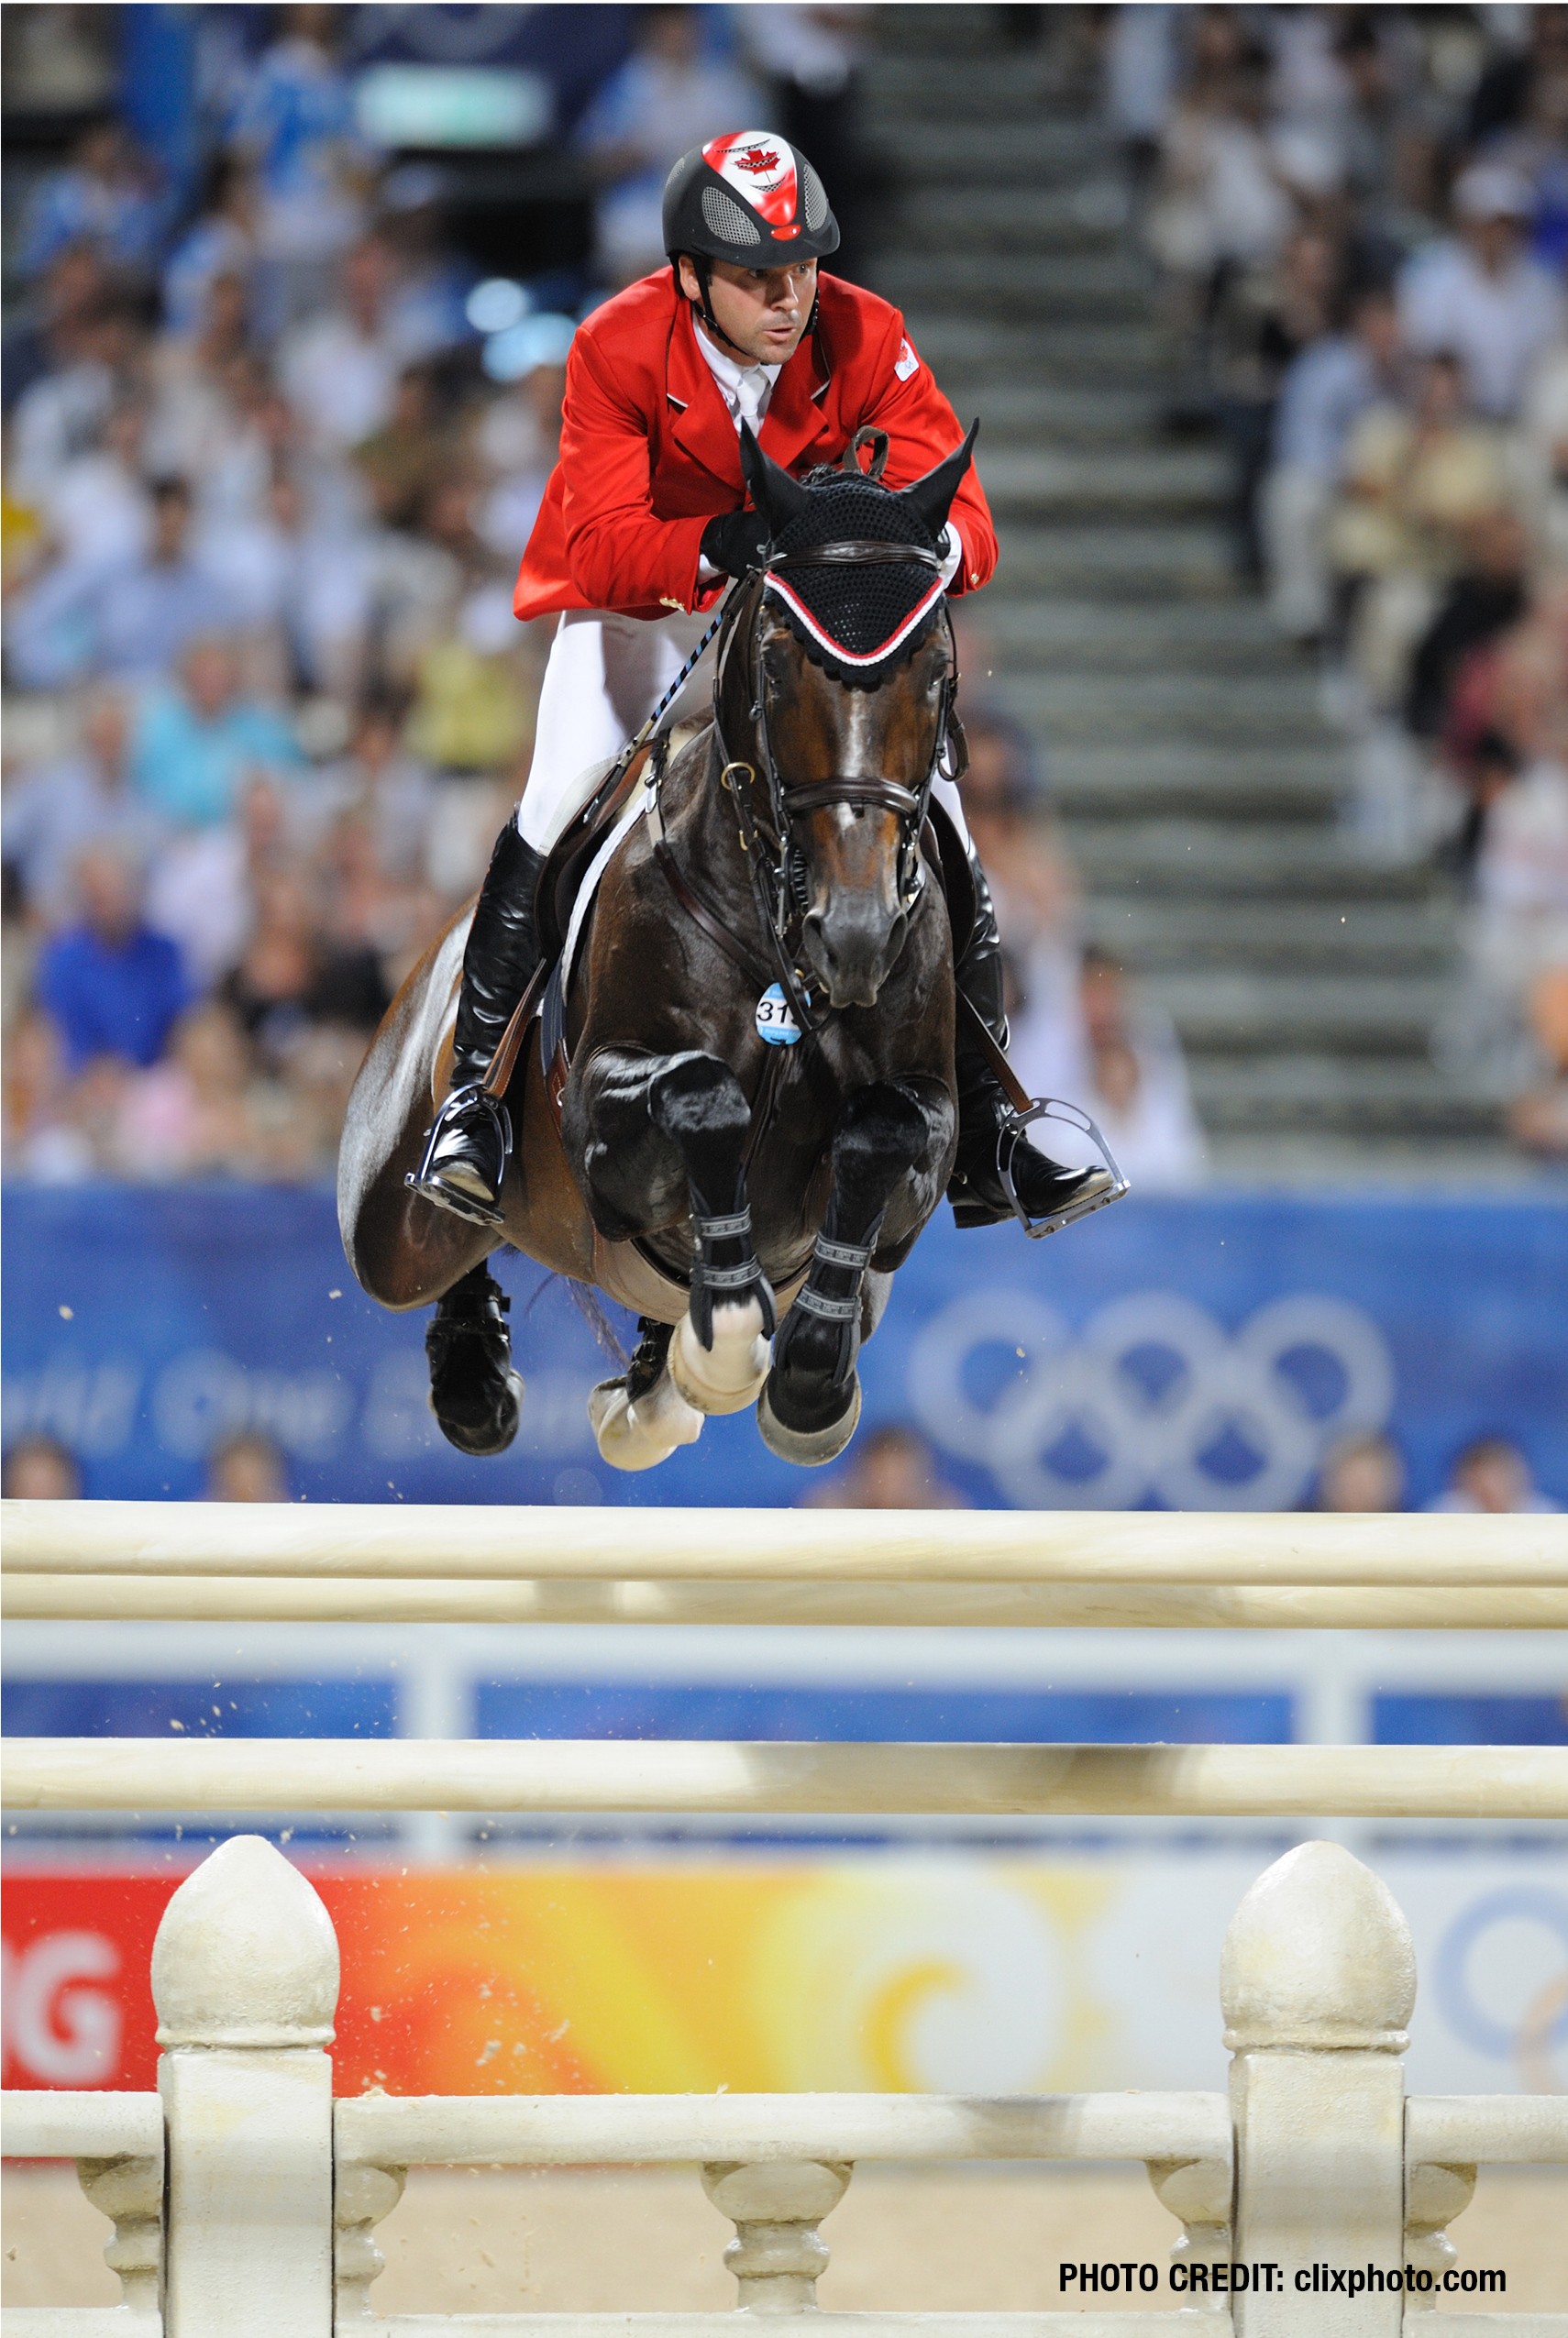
column 855, row 620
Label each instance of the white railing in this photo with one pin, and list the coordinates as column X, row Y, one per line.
column 263, row 2226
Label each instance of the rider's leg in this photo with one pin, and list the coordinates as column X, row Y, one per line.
column 603, row 675
column 976, row 1192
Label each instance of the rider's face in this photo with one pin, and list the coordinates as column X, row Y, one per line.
column 763, row 310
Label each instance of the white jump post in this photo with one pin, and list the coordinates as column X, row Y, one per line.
column 245, row 1980
column 1316, row 1983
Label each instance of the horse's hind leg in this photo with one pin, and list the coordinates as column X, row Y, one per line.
column 811, row 1402
column 657, row 1131
column 474, row 1394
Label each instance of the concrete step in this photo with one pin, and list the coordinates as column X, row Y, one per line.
column 1238, row 1013
column 1098, row 784
column 1032, row 414
column 1219, row 862
column 1058, row 629
column 1370, row 937
column 1309, row 1092
column 1153, row 482
column 1026, row 149
column 1088, row 215
column 1129, row 562
column 1022, row 287
column 1258, row 711
column 1318, row 1159
column 970, row 354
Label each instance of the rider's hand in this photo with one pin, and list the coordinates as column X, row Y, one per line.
column 735, row 541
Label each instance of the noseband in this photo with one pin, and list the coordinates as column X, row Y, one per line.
column 775, row 858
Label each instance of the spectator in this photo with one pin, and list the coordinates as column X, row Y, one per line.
column 431, row 282
column 1361, row 1472
column 56, row 813
column 196, row 741
column 892, row 1467
column 190, row 1115
column 1480, row 295
column 193, row 382
column 247, row 1467
column 221, row 242
column 390, row 788
column 339, row 367
column 113, row 986
column 1414, row 483
column 133, row 622
column 1326, row 389
column 1543, row 454
column 404, row 460
column 1538, row 1120
column 92, row 349
column 665, row 98
column 1491, row 1478
column 294, row 126
column 811, row 59
column 1489, row 594
column 44, row 1141
column 302, row 590
column 518, row 437
column 105, row 195
column 1135, row 1085
column 96, row 507
column 290, row 977
column 40, row 1469
column 47, row 331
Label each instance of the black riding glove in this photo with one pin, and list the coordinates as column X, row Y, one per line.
column 735, row 541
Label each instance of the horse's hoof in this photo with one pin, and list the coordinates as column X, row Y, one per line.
column 729, row 1377
column 639, row 1436
column 490, row 1433
column 810, row 1447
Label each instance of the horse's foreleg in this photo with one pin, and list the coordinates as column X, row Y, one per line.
column 474, row 1394
column 811, row 1402
column 658, row 1131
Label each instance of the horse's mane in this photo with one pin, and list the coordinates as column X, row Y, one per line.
column 856, row 622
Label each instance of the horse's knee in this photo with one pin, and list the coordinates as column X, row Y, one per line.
column 700, row 1105
column 881, row 1133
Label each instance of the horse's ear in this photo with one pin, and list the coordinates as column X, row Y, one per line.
column 777, row 496
column 933, row 495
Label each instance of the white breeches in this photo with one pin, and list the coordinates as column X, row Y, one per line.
column 604, row 677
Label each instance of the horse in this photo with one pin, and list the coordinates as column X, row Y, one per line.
column 743, row 1110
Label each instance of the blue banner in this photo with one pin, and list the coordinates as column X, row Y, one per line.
column 1190, row 1353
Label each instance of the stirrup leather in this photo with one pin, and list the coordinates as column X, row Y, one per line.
column 426, row 1180
column 1010, row 1135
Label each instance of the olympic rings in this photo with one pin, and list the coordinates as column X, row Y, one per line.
column 1150, row 1400
column 1517, row 1903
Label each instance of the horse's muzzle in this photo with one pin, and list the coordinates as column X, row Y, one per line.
column 853, row 953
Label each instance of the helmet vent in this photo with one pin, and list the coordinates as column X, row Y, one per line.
column 816, row 197
column 725, row 218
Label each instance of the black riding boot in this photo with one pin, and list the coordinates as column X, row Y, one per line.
column 466, row 1156
column 976, row 1189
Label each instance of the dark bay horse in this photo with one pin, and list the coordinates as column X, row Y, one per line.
column 750, row 1201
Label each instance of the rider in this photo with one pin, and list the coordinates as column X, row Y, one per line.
column 643, row 524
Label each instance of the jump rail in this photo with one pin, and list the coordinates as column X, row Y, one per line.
column 245, row 2202
column 261, row 1599
column 586, row 1774
column 1088, row 1549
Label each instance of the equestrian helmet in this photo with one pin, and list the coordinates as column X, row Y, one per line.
column 749, row 198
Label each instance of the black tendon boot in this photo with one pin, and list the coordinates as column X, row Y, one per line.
column 474, row 1393
column 466, row 1156
column 976, row 1189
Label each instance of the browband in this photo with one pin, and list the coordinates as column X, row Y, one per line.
column 855, row 554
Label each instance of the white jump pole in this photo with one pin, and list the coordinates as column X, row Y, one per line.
column 1087, row 1548
column 259, row 1599
column 1185, row 1781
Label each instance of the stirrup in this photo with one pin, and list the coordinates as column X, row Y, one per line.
column 425, row 1181
column 1010, row 1136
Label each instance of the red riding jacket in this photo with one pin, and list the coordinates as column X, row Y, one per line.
column 649, row 453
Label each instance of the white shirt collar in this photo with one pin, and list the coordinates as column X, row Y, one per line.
column 745, row 389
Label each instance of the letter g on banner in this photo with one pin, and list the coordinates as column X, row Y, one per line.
column 1151, row 1399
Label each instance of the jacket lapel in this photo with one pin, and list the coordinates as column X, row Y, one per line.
column 700, row 422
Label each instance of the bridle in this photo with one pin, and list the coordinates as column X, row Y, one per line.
column 775, row 858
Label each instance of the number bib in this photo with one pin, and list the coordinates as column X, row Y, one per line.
column 775, row 1021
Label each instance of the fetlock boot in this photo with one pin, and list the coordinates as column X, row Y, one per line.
column 469, row 1147
column 975, row 1190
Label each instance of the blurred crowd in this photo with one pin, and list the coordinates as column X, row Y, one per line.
column 273, row 445
column 1359, row 218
